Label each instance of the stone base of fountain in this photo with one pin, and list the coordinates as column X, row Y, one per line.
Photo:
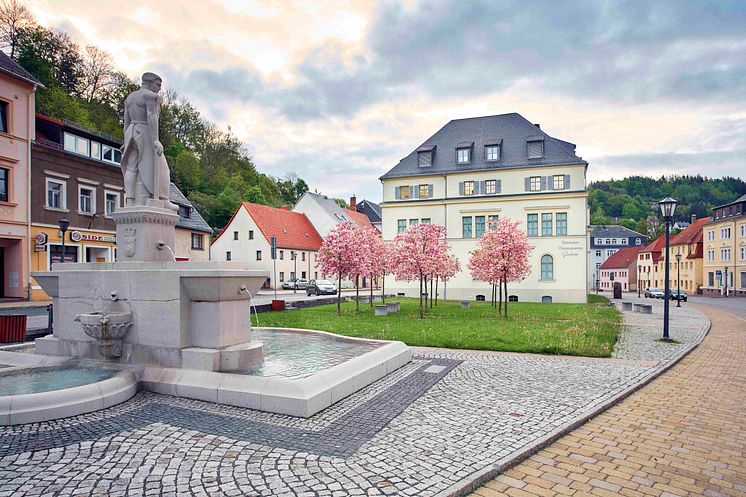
column 193, row 315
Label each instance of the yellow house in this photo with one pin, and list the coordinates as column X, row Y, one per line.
column 480, row 169
column 725, row 250
column 684, row 272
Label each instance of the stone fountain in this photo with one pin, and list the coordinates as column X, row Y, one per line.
column 146, row 308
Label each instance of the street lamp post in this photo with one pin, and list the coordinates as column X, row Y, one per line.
column 294, row 256
column 64, row 223
column 639, row 279
column 678, row 280
column 667, row 206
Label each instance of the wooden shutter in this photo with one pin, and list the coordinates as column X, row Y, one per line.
column 414, row 191
column 482, row 187
column 498, row 186
column 430, row 191
column 397, row 193
column 461, row 188
column 527, row 182
column 567, row 181
column 549, row 183
column 543, row 183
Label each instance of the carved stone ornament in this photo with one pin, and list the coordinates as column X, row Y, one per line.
column 129, row 242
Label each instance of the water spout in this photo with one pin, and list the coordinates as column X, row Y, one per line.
column 245, row 290
column 160, row 245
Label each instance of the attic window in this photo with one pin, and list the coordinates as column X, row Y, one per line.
column 492, row 150
column 425, row 155
column 535, row 149
column 463, row 152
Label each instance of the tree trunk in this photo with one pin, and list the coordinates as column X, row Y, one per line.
column 493, row 296
column 424, row 279
column 437, row 280
column 371, row 292
column 357, row 293
column 500, row 308
column 420, row 297
column 383, row 288
column 431, row 293
column 339, row 296
column 505, row 282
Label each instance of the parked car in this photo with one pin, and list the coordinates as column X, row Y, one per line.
column 654, row 293
column 321, row 287
column 679, row 295
column 295, row 284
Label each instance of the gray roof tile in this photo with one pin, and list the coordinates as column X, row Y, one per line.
column 196, row 222
column 10, row 66
column 614, row 231
column 513, row 129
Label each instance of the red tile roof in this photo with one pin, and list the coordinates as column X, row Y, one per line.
column 292, row 229
column 656, row 247
column 689, row 234
column 623, row 258
column 359, row 218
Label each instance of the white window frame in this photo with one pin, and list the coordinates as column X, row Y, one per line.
column 463, row 155
column 534, row 183
column 558, row 181
column 92, row 189
column 91, row 144
column 470, row 191
column 106, row 205
column 490, row 187
column 63, row 195
column 492, row 152
column 77, row 139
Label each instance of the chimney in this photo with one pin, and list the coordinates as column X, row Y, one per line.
column 694, row 218
column 353, row 203
column 537, row 125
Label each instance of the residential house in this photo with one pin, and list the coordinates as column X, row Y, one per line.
column 192, row 239
column 476, row 170
column 77, row 176
column 724, row 264
column 17, row 101
column 647, row 261
column 370, row 209
column 620, row 268
column 248, row 234
column 324, row 213
column 605, row 241
column 685, row 273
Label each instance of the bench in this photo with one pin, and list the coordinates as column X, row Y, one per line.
column 627, row 306
column 393, row 306
column 381, row 310
column 644, row 308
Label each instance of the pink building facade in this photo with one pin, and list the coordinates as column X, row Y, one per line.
column 17, row 101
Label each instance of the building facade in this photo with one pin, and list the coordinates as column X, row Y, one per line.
column 620, row 268
column 647, row 262
column 686, row 271
column 371, row 210
column 325, row 214
column 17, row 102
column 724, row 265
column 473, row 171
column 605, row 241
column 248, row 235
column 76, row 175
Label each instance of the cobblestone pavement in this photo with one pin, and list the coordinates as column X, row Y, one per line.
column 640, row 339
column 421, row 430
column 683, row 434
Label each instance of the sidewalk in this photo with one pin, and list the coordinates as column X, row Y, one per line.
column 24, row 304
column 683, row 434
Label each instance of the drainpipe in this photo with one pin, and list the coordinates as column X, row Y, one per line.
column 445, row 223
column 30, row 126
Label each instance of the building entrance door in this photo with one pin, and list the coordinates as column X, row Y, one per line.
column 96, row 254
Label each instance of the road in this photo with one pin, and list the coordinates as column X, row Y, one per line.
column 736, row 306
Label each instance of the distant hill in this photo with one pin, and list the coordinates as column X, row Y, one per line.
column 632, row 201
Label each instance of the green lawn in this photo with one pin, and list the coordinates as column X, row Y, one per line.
column 573, row 329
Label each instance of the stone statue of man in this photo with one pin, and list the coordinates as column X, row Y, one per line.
column 146, row 173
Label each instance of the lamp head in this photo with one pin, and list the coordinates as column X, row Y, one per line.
column 667, row 206
column 64, row 223
column 678, row 257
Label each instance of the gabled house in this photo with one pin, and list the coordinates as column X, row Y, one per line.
column 647, row 261
column 476, row 170
column 370, row 209
column 685, row 272
column 192, row 241
column 324, row 213
column 605, row 241
column 724, row 236
column 620, row 268
column 247, row 237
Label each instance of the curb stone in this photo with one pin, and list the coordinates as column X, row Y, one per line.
column 479, row 478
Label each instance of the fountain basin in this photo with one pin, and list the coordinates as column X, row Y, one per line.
column 302, row 396
column 107, row 329
column 35, row 392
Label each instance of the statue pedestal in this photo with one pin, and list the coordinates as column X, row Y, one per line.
column 145, row 233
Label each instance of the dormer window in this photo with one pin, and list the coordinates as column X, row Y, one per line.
column 535, row 148
column 463, row 152
column 425, row 155
column 492, row 150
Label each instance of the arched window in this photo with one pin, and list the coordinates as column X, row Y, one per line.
column 513, row 298
column 546, row 299
column 480, row 298
column 547, row 267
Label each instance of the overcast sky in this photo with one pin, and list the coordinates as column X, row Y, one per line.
column 338, row 92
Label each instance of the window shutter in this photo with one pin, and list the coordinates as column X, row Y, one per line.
column 430, row 191
column 550, row 182
column 567, row 181
column 527, row 182
column 461, row 188
column 543, row 183
column 414, row 191
column 498, row 186
column 397, row 193
column 476, row 188
column 482, row 187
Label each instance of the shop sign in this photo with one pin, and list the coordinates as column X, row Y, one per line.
column 40, row 247
column 77, row 236
column 41, row 239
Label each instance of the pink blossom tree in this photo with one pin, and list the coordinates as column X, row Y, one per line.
column 416, row 253
column 501, row 257
column 339, row 255
column 372, row 254
column 447, row 270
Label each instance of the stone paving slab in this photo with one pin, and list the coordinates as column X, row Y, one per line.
column 427, row 429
